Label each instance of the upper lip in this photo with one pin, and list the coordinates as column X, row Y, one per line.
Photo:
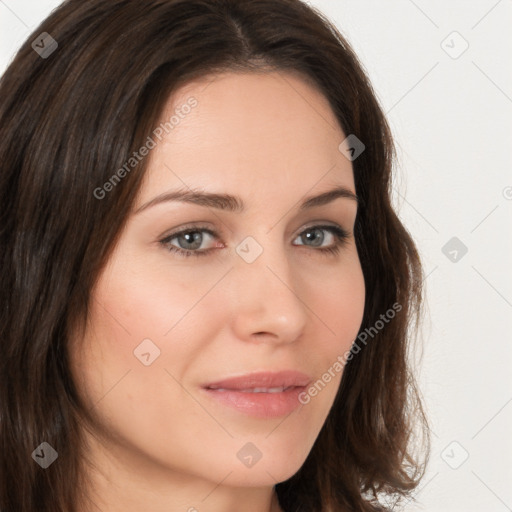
column 286, row 378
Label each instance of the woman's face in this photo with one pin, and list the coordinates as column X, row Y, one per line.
column 259, row 291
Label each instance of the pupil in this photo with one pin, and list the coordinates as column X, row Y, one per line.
column 317, row 240
column 194, row 237
column 191, row 238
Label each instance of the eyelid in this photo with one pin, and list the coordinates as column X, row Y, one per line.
column 199, row 227
column 187, row 229
column 336, row 230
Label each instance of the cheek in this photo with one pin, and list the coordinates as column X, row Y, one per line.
column 175, row 310
column 182, row 312
column 138, row 310
column 337, row 297
column 137, row 302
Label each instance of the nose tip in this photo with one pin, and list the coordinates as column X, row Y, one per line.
column 267, row 305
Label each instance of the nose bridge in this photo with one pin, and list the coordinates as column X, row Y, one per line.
column 267, row 300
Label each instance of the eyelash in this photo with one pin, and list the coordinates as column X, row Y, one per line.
column 340, row 235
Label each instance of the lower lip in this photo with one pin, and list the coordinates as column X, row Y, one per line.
column 261, row 405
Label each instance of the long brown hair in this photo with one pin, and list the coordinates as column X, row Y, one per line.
column 72, row 116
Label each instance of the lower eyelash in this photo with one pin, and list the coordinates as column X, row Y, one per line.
column 183, row 252
column 340, row 235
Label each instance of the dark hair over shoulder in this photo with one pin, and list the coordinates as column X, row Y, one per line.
column 69, row 119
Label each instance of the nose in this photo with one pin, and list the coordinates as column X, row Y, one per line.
column 267, row 307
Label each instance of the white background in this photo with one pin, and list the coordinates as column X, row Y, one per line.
column 452, row 120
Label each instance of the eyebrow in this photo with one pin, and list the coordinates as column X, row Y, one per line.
column 234, row 204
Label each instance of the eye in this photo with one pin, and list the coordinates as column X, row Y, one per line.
column 315, row 234
column 189, row 240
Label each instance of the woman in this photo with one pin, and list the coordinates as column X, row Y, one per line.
column 270, row 372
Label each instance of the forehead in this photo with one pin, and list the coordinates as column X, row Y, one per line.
column 248, row 132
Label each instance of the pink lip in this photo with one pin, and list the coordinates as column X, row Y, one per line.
column 262, row 380
column 234, row 392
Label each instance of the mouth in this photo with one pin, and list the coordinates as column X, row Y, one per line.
column 255, row 390
column 262, row 395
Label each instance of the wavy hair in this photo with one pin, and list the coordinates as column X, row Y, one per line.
column 71, row 116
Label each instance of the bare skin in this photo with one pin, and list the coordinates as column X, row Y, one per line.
column 271, row 140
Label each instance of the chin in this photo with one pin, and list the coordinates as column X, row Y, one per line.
column 265, row 461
